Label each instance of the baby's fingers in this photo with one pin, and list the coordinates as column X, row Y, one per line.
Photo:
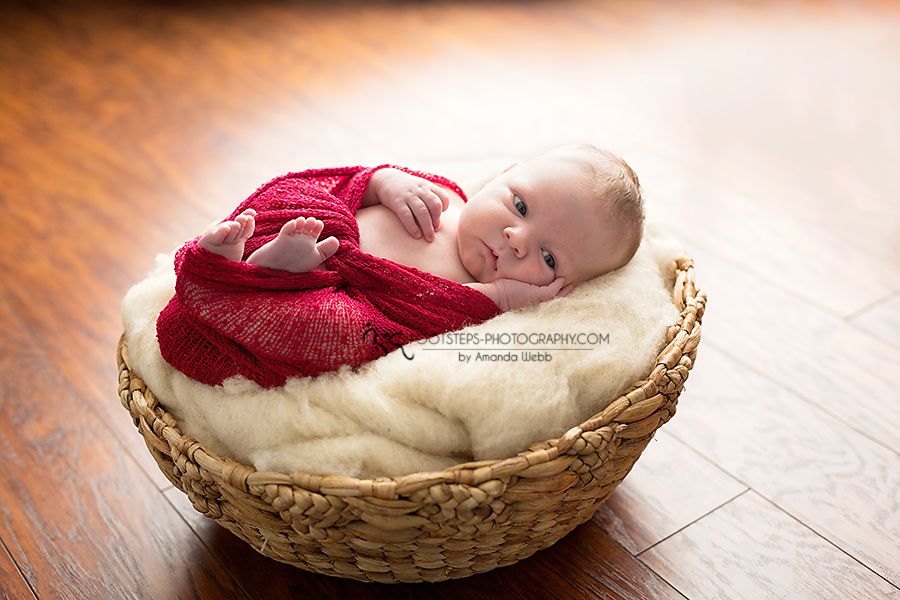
column 438, row 202
column 559, row 288
column 556, row 287
column 434, row 202
column 443, row 196
column 408, row 219
column 421, row 215
column 424, row 212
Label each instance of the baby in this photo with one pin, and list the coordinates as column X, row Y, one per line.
column 403, row 258
column 536, row 231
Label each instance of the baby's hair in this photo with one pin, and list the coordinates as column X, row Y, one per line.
column 613, row 181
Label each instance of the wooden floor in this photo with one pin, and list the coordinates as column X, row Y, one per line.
column 767, row 133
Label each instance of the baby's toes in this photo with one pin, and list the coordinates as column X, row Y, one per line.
column 248, row 228
column 311, row 227
column 292, row 227
column 245, row 220
column 306, row 226
column 213, row 236
column 230, row 231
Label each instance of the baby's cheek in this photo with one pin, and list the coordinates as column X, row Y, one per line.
column 535, row 275
column 539, row 273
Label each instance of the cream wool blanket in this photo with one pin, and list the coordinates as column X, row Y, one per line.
column 488, row 391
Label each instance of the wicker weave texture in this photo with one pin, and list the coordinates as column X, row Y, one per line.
column 430, row 526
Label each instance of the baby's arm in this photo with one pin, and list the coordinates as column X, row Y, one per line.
column 509, row 294
column 417, row 202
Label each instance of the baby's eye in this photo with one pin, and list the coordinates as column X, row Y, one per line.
column 548, row 258
column 520, row 205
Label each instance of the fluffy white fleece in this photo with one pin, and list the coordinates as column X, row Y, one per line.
column 395, row 416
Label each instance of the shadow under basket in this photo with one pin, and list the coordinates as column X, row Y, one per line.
column 428, row 526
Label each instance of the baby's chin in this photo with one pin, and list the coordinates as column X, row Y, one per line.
column 479, row 271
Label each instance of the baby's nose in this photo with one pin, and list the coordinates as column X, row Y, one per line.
column 517, row 240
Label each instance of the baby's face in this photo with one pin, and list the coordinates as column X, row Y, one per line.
column 536, row 222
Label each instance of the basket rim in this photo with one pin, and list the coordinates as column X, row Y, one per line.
column 639, row 400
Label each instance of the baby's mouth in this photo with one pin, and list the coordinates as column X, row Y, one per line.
column 491, row 256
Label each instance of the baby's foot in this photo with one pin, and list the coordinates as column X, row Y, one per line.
column 296, row 249
column 227, row 238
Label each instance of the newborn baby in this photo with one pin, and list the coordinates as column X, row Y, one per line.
column 402, row 257
column 535, row 232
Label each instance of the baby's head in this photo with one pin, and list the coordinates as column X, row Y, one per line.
column 574, row 212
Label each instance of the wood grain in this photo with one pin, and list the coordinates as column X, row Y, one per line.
column 882, row 320
column 80, row 519
column 669, row 488
column 758, row 551
column 12, row 584
column 787, row 251
column 836, row 481
column 814, row 354
column 792, row 107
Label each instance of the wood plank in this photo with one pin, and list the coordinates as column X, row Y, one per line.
column 584, row 565
column 12, row 584
column 587, row 564
column 476, row 113
column 785, row 162
column 882, row 320
column 818, row 356
column 791, row 252
column 670, row 487
column 89, row 118
column 791, row 108
column 80, row 518
column 836, row 481
column 750, row 549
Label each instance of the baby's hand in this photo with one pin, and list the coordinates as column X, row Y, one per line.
column 510, row 294
column 417, row 202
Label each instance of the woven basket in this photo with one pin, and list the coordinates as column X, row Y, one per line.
column 430, row 526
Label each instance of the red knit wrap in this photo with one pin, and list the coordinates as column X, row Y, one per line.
column 231, row 318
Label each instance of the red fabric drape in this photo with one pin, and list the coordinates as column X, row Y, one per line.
column 231, row 318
